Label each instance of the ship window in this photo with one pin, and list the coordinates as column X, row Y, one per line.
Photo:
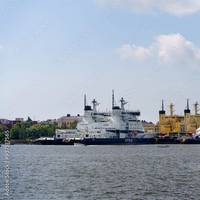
column 58, row 135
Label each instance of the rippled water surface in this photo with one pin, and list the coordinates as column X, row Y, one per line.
column 103, row 172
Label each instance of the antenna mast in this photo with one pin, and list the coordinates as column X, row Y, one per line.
column 163, row 108
column 188, row 107
column 123, row 103
column 196, row 108
column 95, row 104
column 85, row 101
column 171, row 106
column 113, row 99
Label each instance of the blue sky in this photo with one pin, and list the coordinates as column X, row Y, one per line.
column 52, row 52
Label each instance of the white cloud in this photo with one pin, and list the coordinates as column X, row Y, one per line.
column 165, row 49
column 132, row 51
column 174, row 7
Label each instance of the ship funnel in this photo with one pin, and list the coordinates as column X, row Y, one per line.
column 162, row 111
column 86, row 107
column 187, row 110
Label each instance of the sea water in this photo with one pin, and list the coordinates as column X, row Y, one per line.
column 146, row 172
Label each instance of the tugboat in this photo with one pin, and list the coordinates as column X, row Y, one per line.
column 120, row 126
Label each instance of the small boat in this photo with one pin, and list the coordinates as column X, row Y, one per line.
column 53, row 141
column 77, row 144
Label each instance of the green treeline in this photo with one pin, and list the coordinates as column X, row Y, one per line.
column 28, row 130
column 23, row 131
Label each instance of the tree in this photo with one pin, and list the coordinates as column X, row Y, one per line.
column 18, row 131
column 29, row 119
column 1, row 137
column 2, row 129
column 41, row 130
column 27, row 130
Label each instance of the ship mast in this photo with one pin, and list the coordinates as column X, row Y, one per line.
column 123, row 103
column 85, row 101
column 95, row 104
column 196, row 108
column 188, row 107
column 163, row 108
column 187, row 110
column 171, row 106
column 113, row 99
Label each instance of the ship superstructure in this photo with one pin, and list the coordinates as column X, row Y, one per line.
column 119, row 123
column 94, row 123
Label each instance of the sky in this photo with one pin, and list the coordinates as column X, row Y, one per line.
column 54, row 52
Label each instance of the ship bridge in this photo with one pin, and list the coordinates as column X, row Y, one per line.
column 132, row 112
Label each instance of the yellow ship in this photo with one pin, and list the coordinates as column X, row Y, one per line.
column 175, row 124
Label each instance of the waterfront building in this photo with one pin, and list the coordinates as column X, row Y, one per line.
column 68, row 122
column 19, row 119
column 149, row 127
column 6, row 122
